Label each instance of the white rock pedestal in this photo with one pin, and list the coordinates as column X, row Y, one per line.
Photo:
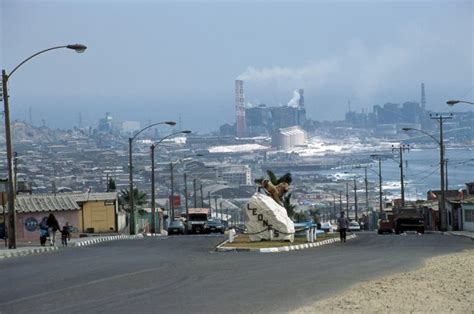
column 262, row 211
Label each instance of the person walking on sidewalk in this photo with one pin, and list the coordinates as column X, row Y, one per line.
column 43, row 229
column 53, row 226
column 342, row 225
column 65, row 234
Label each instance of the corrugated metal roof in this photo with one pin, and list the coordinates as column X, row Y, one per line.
column 45, row 203
column 84, row 197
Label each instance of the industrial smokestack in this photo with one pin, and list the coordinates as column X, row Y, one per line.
column 239, row 108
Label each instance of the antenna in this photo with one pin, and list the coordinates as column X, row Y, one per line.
column 423, row 97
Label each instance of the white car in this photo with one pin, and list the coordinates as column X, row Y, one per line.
column 327, row 227
column 354, row 226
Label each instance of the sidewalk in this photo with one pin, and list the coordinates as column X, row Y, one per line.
column 29, row 248
column 467, row 234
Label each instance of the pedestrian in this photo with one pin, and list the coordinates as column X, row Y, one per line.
column 53, row 226
column 342, row 224
column 65, row 234
column 43, row 229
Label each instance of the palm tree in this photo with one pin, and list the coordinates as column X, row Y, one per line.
column 139, row 197
column 286, row 178
column 111, row 185
column 274, row 180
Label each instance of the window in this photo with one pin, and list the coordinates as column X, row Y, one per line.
column 469, row 215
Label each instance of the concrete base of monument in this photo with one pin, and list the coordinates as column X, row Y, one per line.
column 263, row 212
column 275, row 247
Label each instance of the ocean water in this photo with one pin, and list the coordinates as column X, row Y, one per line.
column 421, row 172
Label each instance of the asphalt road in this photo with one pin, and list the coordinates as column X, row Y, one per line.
column 183, row 274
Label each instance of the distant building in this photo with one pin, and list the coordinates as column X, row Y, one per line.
column 105, row 124
column 284, row 117
column 258, row 120
column 130, row 126
column 236, row 174
column 291, row 137
column 227, row 129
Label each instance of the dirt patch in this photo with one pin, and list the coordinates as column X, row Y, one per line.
column 443, row 284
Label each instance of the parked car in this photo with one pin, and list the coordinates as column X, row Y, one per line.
column 385, row 226
column 354, row 226
column 327, row 227
column 214, row 225
column 176, row 227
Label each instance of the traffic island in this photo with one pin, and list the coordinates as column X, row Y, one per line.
column 242, row 243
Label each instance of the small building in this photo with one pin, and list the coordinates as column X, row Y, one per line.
column 31, row 209
column 98, row 211
column 84, row 212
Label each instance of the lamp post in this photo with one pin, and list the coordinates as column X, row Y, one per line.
column 440, row 143
column 8, row 137
column 153, row 205
column 130, row 171
column 453, row 102
column 379, row 158
column 401, row 148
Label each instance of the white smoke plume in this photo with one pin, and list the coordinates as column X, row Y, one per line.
column 295, row 100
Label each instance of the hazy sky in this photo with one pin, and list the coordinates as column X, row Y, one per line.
column 156, row 60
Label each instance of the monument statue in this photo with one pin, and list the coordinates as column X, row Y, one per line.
column 267, row 218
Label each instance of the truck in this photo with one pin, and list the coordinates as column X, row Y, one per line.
column 197, row 220
column 408, row 218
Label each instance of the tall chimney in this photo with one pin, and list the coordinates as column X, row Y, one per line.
column 239, row 108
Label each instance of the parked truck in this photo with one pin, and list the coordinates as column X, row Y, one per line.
column 198, row 218
column 408, row 219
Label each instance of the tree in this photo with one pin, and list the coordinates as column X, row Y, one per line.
column 139, row 198
column 111, row 186
column 286, row 178
column 274, row 180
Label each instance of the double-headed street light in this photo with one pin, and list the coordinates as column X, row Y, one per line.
column 130, row 165
column 152, row 148
column 11, row 183
column 441, row 158
column 453, row 102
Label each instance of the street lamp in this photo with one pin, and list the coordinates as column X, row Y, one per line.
column 8, row 137
column 453, row 102
column 441, row 157
column 130, row 165
column 152, row 148
column 379, row 158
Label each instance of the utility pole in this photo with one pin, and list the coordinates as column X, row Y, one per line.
column 186, row 198
column 401, row 148
column 441, row 119
column 209, row 200
column 11, row 184
column 355, row 198
column 446, row 174
column 366, row 190
column 172, row 192
column 195, row 196
column 131, row 191
column 340, row 201
column 202, row 198
column 222, row 212
column 153, row 209
column 347, row 200
column 215, row 204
